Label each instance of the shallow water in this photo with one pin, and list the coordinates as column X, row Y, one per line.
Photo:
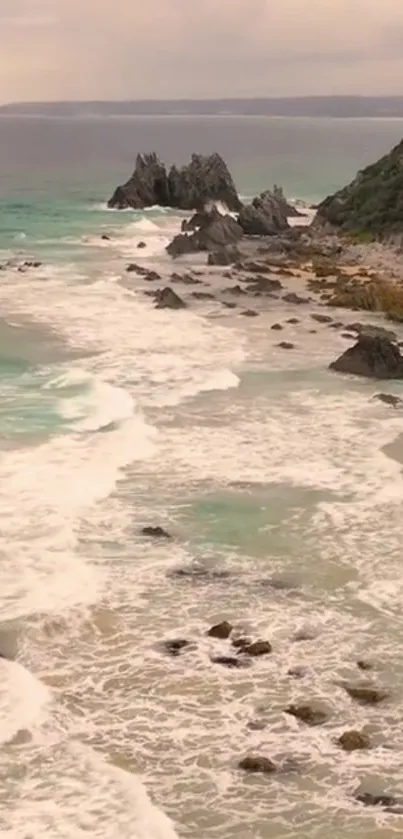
column 280, row 483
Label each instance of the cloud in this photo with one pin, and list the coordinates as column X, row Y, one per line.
column 78, row 49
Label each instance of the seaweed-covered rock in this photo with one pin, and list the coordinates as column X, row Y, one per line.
column 372, row 203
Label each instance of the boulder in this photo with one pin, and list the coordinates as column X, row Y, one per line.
column 276, row 326
column 307, row 714
column 371, row 800
column 224, row 256
column 366, row 694
column 322, row 318
column 241, row 642
column 174, row 646
column 293, row 321
column 372, row 356
column 220, row 630
column 249, row 313
column 255, row 763
column 168, row 299
column 147, row 186
column 105, row 237
column 156, row 532
column 364, row 665
column 204, row 179
column 291, row 297
column 286, row 345
column 265, row 216
column 141, row 245
column 351, row 741
column 216, row 232
column 258, row 648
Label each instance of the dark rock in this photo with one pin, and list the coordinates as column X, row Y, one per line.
column 265, row 216
column 307, row 714
column 364, row 665
column 322, row 318
column 141, row 245
column 198, row 573
column 351, row 741
column 220, row 630
column 230, row 661
column 241, row 642
column 264, row 285
column 132, row 267
column 389, row 399
column 156, row 532
column 372, row 331
column 370, row 800
column 297, row 672
column 256, row 725
column 228, row 305
column 292, row 320
column 168, row 299
column 257, row 648
column 254, row 763
column 151, row 276
column 235, row 289
column 105, row 237
column 336, row 324
column 225, row 256
column 286, row 345
column 349, row 336
column 175, row 646
column 186, row 279
column 276, row 326
column 147, row 186
column 217, row 231
column 366, row 694
column 372, row 356
column 291, row 297
column 249, row 313
column 204, row 179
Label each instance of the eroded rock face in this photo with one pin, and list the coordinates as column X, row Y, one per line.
column 205, row 178
column 373, row 356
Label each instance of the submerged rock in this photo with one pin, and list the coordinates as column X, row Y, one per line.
column 175, row 646
column 389, row 399
column 220, row 630
column 156, row 532
column 286, row 345
column 372, row 356
column 351, row 741
column 168, row 299
column 255, row 763
column 257, row 648
column 230, row 661
column 371, row 800
column 366, row 694
column 250, row 313
column 307, row 714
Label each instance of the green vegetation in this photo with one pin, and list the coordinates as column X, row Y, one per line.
column 371, row 207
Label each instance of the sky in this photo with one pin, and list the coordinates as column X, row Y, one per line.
column 139, row 49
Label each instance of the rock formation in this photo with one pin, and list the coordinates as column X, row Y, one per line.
column 266, row 215
column 372, row 204
column 374, row 356
column 215, row 232
column 204, row 179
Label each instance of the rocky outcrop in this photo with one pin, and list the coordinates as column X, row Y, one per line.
column 265, row 216
column 373, row 356
column 204, row 179
column 147, row 186
column 372, row 203
column 214, row 233
column 168, row 299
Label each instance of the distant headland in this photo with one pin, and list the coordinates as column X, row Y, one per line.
column 305, row 106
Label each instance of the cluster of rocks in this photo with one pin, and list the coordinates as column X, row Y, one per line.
column 22, row 267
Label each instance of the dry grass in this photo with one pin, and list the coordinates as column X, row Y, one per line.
column 377, row 295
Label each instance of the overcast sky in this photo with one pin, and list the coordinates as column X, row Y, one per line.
column 100, row 49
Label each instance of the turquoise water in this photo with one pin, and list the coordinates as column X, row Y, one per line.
column 114, row 416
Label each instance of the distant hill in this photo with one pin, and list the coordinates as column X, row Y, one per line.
column 308, row 106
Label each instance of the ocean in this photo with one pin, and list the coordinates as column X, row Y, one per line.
column 280, row 483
